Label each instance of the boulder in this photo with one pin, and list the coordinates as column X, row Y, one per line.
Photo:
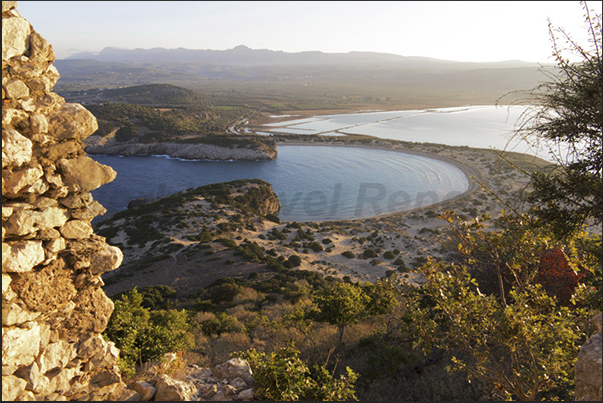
column 20, row 345
column 15, row 36
column 83, row 174
column 588, row 372
column 16, row 148
column 169, row 389
column 145, row 390
column 234, row 368
column 72, row 121
column 23, row 256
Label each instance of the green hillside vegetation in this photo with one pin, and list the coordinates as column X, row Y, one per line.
column 170, row 122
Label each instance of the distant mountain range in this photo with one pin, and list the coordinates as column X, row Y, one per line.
column 311, row 80
column 245, row 56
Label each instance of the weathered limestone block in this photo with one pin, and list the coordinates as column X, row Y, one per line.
column 169, row 389
column 56, row 355
column 20, row 345
column 106, row 259
column 38, row 123
column 14, row 314
column 16, row 149
column 23, row 222
column 72, row 121
column 55, row 245
column 22, row 256
column 16, row 89
column 88, row 213
column 36, row 381
column 234, row 368
column 12, row 386
column 83, row 174
column 145, row 390
column 246, row 394
column 40, row 50
column 8, row 5
column 76, row 201
column 76, row 229
column 13, row 182
column 15, row 35
column 90, row 347
column 238, row 383
column 106, row 357
column 59, row 380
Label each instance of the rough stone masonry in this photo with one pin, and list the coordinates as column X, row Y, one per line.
column 53, row 307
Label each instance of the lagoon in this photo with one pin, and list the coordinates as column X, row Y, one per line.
column 487, row 126
column 313, row 183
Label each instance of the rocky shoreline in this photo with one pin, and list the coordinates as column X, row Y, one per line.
column 196, row 151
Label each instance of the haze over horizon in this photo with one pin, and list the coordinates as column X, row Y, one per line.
column 457, row 31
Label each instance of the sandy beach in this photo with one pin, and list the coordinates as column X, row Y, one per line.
column 416, row 233
column 360, row 250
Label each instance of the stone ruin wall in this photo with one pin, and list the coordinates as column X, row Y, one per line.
column 53, row 307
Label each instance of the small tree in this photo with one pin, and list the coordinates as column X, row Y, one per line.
column 344, row 304
column 565, row 115
column 341, row 304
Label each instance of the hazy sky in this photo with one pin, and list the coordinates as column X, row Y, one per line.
column 451, row 30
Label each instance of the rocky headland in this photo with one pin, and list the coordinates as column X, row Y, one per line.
column 54, row 302
column 197, row 151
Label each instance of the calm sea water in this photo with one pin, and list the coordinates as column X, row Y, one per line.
column 313, row 183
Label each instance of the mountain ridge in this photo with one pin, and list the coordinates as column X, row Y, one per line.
column 245, row 56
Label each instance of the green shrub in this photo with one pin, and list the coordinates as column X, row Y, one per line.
column 348, row 254
column 142, row 335
column 368, row 253
column 273, row 218
column 283, row 376
column 315, row 246
column 389, row 255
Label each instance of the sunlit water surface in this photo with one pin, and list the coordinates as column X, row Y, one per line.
column 313, row 183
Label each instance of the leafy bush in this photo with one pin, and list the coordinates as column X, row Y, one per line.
column 348, row 254
column 389, row 255
column 282, row 376
column 315, row 246
column 142, row 335
column 368, row 253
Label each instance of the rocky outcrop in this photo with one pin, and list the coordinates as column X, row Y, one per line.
column 187, row 151
column 588, row 373
column 53, row 307
column 230, row 381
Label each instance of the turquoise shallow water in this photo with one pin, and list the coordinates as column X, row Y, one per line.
column 313, row 183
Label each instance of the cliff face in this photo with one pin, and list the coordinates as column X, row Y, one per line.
column 186, row 151
column 53, row 307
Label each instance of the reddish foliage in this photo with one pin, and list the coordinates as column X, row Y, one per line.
column 556, row 275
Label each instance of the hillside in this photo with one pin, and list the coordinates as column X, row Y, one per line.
column 305, row 80
column 163, row 119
